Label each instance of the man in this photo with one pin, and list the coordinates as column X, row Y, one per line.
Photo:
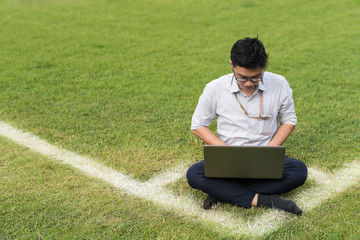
column 249, row 104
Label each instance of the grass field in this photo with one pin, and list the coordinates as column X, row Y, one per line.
column 118, row 81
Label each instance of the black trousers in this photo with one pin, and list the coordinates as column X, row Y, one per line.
column 241, row 192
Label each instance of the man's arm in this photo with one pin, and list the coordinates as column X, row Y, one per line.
column 281, row 134
column 208, row 136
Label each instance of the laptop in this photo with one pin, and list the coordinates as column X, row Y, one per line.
column 266, row 162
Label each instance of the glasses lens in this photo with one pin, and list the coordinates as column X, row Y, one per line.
column 241, row 79
column 255, row 79
column 244, row 79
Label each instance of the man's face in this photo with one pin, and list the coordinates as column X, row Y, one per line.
column 247, row 73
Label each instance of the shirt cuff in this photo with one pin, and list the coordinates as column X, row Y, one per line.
column 291, row 121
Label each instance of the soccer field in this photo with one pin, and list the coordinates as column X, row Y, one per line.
column 107, row 90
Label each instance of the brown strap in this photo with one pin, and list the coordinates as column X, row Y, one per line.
column 261, row 100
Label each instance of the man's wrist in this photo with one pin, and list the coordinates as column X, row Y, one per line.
column 273, row 144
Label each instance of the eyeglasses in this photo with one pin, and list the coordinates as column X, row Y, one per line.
column 252, row 79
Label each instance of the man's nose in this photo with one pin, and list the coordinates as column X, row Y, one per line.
column 249, row 83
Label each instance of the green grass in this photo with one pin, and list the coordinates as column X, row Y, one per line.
column 46, row 200
column 119, row 80
column 42, row 199
column 121, row 84
column 337, row 218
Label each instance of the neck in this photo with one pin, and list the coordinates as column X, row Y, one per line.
column 248, row 92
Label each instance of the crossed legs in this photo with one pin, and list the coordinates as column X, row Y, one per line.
column 248, row 192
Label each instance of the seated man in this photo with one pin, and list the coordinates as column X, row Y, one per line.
column 249, row 104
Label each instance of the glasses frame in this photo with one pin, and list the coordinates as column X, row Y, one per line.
column 252, row 79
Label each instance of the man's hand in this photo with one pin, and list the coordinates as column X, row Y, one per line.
column 281, row 134
column 208, row 136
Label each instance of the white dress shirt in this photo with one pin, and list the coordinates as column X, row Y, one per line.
column 233, row 126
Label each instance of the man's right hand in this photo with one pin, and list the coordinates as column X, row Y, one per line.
column 208, row 136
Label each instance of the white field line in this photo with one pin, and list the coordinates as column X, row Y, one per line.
column 154, row 190
column 169, row 176
column 326, row 186
column 329, row 186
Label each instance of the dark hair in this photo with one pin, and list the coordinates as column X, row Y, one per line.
column 249, row 53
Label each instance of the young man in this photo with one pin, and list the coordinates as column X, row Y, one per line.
column 249, row 104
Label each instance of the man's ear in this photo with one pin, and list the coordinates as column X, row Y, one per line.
column 231, row 64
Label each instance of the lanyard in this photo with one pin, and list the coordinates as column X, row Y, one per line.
column 261, row 101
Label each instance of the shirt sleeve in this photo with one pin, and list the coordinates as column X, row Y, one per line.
column 205, row 110
column 287, row 110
